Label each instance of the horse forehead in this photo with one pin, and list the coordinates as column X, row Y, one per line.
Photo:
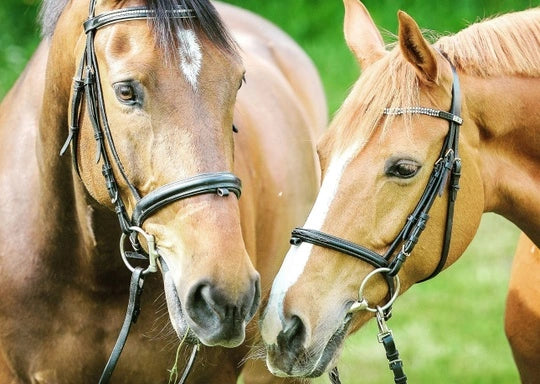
column 131, row 46
column 190, row 53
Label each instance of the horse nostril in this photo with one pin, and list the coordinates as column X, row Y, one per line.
column 208, row 305
column 293, row 335
column 200, row 304
column 256, row 299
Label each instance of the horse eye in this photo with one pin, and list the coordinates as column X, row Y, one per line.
column 125, row 93
column 404, row 169
column 242, row 81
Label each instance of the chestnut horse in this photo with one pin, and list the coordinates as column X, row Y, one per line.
column 156, row 89
column 522, row 320
column 391, row 161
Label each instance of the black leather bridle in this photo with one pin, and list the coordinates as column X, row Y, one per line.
column 447, row 166
column 87, row 84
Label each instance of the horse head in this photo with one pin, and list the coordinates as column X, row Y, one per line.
column 377, row 158
column 164, row 90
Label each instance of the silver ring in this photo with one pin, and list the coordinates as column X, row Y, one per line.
column 152, row 252
column 362, row 303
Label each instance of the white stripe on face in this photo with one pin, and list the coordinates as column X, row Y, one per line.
column 297, row 257
column 190, row 56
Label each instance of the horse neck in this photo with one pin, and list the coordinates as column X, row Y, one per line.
column 79, row 232
column 504, row 111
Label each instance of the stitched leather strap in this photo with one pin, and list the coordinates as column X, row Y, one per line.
column 219, row 183
column 394, row 362
column 337, row 244
column 133, row 310
column 325, row 240
column 134, row 13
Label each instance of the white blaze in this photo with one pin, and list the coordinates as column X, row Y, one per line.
column 297, row 257
column 190, row 55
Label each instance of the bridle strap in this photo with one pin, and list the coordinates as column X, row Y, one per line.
column 334, row 243
column 454, row 177
column 134, row 13
column 447, row 164
column 133, row 310
column 219, row 183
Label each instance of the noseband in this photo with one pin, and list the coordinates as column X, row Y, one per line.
column 87, row 82
column 447, row 166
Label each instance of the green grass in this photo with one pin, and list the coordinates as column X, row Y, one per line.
column 448, row 330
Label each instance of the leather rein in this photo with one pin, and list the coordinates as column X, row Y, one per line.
column 87, row 84
column 446, row 173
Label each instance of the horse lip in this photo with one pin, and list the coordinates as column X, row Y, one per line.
column 327, row 356
column 176, row 314
column 332, row 346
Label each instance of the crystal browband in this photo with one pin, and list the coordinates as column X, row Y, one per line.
column 424, row 111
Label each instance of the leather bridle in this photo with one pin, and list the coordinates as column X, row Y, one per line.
column 446, row 173
column 87, row 84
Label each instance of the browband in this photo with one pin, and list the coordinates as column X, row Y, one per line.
column 135, row 13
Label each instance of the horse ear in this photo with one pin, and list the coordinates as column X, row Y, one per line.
column 361, row 34
column 416, row 49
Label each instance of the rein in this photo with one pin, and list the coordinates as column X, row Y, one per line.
column 446, row 173
column 87, row 83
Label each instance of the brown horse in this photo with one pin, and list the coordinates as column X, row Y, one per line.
column 522, row 310
column 167, row 97
column 398, row 129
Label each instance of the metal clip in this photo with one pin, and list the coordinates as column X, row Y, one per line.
column 381, row 324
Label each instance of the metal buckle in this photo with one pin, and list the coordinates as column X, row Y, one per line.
column 362, row 303
column 381, row 324
column 152, row 252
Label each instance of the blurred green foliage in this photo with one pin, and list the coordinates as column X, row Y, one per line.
column 19, row 35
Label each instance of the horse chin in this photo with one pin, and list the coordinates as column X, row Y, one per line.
column 310, row 364
column 176, row 314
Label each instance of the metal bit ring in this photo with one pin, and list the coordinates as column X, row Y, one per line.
column 362, row 303
column 152, row 252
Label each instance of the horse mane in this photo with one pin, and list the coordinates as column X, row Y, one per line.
column 506, row 45
column 207, row 21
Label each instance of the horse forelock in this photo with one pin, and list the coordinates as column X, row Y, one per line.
column 207, row 22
